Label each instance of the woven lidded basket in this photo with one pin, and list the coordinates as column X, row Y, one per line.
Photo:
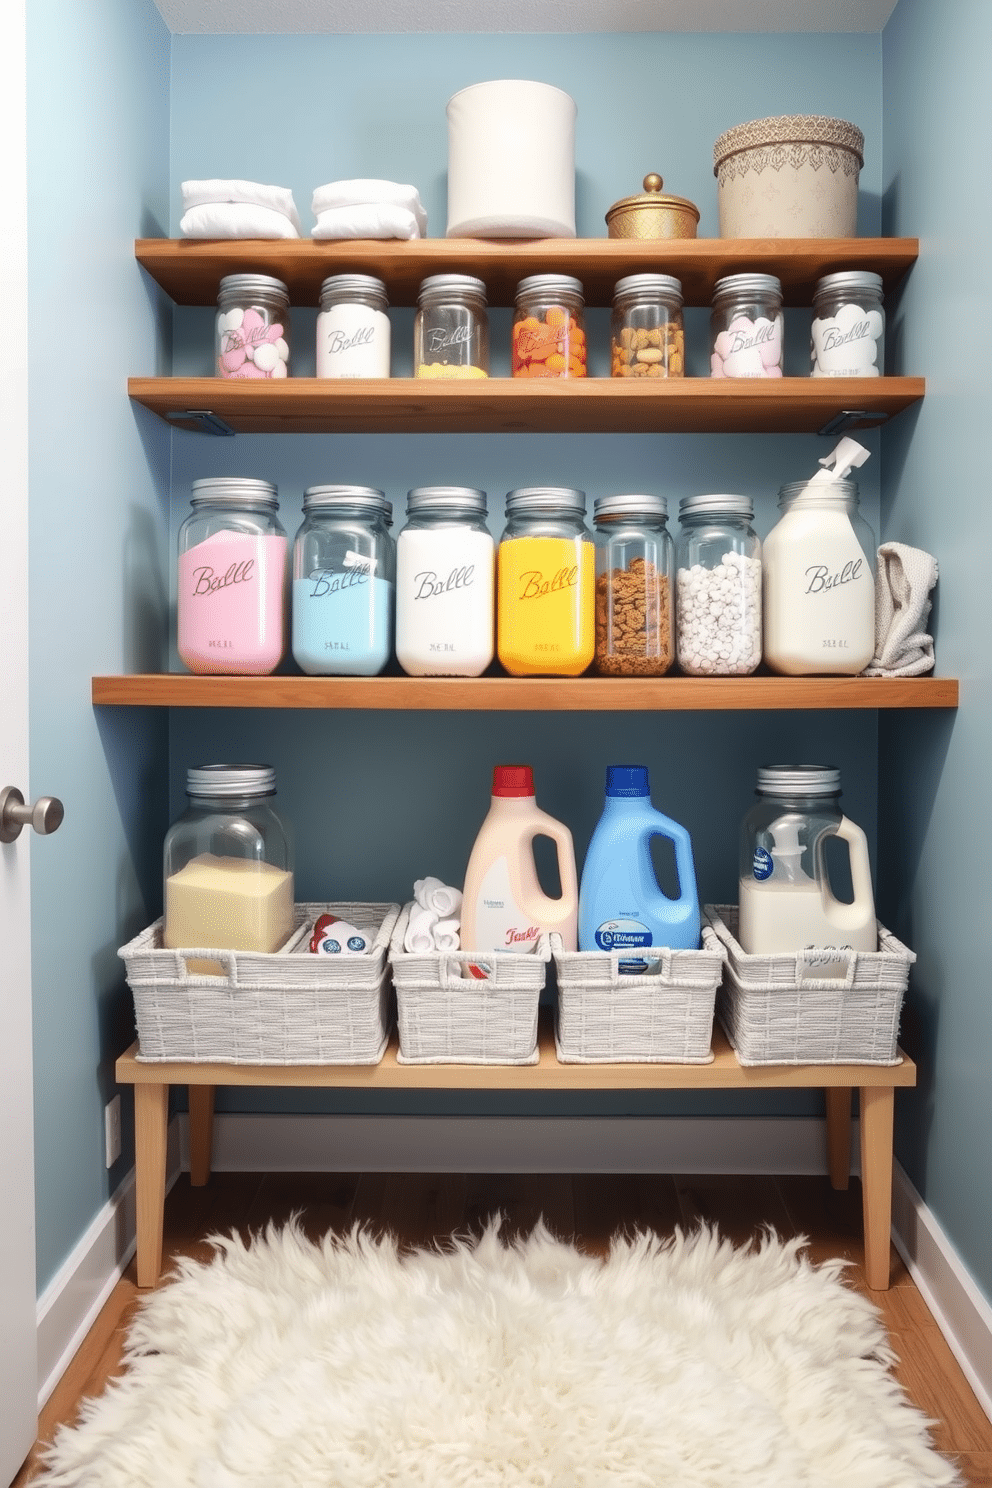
column 663, row 1015
column 791, row 176
column 774, row 1012
column 284, row 1007
column 447, row 1016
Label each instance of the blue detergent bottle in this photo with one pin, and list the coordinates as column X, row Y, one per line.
column 621, row 904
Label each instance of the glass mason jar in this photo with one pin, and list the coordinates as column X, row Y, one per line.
column 451, row 328
column 819, row 582
column 847, row 337
column 546, row 578
column 747, row 326
column 252, row 327
column 718, row 587
column 445, row 584
column 353, row 337
column 344, row 577
column 635, row 611
column 231, row 592
column 647, row 333
column 227, row 866
column 548, row 337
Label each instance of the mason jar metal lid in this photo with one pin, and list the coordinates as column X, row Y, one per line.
column 746, row 286
column 324, row 497
column 843, row 492
column 231, row 490
column 236, row 286
column 849, row 279
column 231, row 780
column 798, row 780
column 630, row 506
column 340, row 286
column 716, row 506
column 549, row 285
column 440, row 286
column 546, row 498
column 445, row 498
column 644, row 286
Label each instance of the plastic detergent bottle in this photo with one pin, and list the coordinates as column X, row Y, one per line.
column 621, row 904
column 504, row 907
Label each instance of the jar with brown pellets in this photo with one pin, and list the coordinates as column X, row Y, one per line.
column 635, row 616
column 647, row 331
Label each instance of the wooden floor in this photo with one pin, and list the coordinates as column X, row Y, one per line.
column 588, row 1210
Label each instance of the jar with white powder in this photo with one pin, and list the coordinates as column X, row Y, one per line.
column 445, row 584
column 353, row 337
column 718, row 587
column 847, row 337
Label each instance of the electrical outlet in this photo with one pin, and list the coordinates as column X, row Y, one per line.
column 112, row 1129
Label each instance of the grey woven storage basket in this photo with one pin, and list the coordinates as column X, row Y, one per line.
column 663, row 1015
column 447, row 1018
column 775, row 1014
column 284, row 1007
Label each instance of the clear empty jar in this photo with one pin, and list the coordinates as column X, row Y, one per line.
column 344, row 574
column 718, row 587
column 353, row 327
column 635, row 631
column 747, row 326
column 548, row 337
column 847, row 337
column 647, row 334
column 451, row 328
column 546, row 577
column 252, row 327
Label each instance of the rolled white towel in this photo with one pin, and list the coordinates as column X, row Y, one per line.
column 419, row 937
column 431, row 893
column 250, row 193
column 372, row 220
column 446, row 935
column 366, row 192
column 235, row 220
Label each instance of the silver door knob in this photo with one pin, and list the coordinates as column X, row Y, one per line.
column 45, row 815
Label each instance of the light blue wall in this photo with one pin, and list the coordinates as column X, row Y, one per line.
column 935, row 791
column 98, row 176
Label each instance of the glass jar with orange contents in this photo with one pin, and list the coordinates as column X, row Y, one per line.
column 546, row 584
column 548, row 338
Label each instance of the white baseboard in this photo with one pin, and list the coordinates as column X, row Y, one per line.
column 71, row 1302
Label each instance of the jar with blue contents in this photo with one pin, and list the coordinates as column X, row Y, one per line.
column 344, row 580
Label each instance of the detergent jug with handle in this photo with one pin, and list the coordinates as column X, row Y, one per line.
column 786, row 901
column 621, row 905
column 504, row 907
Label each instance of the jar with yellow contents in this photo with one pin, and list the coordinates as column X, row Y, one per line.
column 546, row 584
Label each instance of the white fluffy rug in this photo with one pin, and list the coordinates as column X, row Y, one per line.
column 671, row 1364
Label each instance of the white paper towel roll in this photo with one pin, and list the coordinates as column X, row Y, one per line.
column 511, row 161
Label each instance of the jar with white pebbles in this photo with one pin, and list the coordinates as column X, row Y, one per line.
column 718, row 587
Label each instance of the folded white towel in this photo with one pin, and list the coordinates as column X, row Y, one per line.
column 431, row 893
column 363, row 193
column 903, row 583
column 235, row 220
column 374, row 220
column 419, row 937
column 446, row 935
column 250, row 193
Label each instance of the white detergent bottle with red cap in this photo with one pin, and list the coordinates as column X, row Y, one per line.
column 504, row 907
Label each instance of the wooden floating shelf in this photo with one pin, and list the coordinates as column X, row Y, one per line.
column 527, row 694
column 190, row 270
column 506, row 405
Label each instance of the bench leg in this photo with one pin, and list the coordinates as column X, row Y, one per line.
column 838, row 1135
column 151, row 1115
column 201, row 1133
column 877, row 1111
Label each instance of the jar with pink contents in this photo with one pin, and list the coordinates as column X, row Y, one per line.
column 233, row 576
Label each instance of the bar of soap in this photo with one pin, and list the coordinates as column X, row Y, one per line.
column 228, row 903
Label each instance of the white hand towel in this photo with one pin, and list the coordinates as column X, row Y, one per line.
column 250, row 193
column 235, row 220
column 371, row 221
column 419, row 937
column 435, row 895
column 362, row 193
column 902, row 607
column 446, row 935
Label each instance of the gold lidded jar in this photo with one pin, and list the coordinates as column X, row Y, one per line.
column 647, row 333
column 652, row 214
